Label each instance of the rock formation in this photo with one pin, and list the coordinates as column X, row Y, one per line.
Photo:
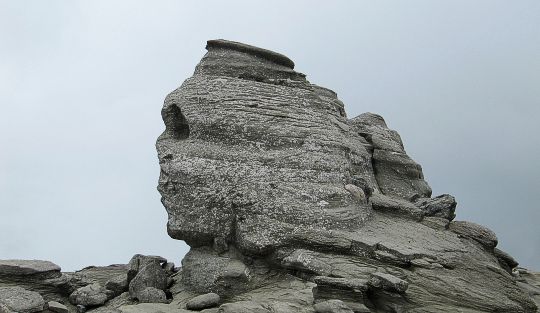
column 288, row 206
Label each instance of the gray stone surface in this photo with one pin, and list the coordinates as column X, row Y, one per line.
column 255, row 151
column 151, row 275
column 139, row 261
column 259, row 166
column 396, row 206
column 151, row 295
column 243, row 307
column 204, row 271
column 57, row 307
column 20, row 300
column 341, row 283
column 102, row 274
column 118, row 284
column 91, row 295
column 29, row 269
column 113, row 305
column 396, row 173
column 530, row 282
column 388, row 282
column 152, row 308
column 479, row 233
column 205, row 301
column 332, row 306
column 441, row 206
column 506, row 261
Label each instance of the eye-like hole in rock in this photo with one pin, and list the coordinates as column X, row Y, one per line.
column 176, row 124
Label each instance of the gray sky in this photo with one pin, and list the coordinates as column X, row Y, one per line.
column 82, row 84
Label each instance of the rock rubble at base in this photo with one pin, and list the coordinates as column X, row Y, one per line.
column 92, row 289
column 288, row 206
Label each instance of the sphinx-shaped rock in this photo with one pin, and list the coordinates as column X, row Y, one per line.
column 288, row 206
column 278, row 192
column 249, row 143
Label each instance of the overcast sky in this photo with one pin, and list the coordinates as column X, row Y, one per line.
column 82, row 84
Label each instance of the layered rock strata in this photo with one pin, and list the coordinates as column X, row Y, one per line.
column 288, row 206
column 269, row 182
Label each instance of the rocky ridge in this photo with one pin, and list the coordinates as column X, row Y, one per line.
column 288, row 206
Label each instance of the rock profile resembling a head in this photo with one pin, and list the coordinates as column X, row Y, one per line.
column 288, row 206
column 288, row 203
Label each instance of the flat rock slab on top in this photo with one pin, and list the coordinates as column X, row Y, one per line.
column 43, row 269
column 242, row 47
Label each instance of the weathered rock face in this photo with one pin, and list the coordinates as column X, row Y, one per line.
column 272, row 186
column 253, row 150
column 288, row 206
column 396, row 173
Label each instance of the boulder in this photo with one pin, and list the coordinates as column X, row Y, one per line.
column 20, row 300
column 139, row 261
column 91, row 295
column 151, row 275
column 203, row 270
